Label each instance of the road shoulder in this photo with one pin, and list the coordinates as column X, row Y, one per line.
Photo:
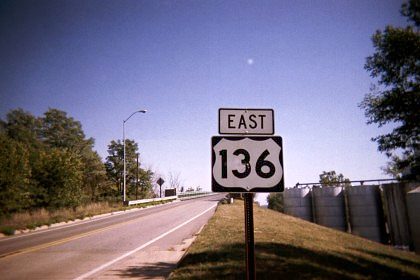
column 152, row 263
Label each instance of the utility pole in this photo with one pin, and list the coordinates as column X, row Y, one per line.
column 137, row 176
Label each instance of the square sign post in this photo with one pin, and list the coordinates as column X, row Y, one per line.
column 249, row 162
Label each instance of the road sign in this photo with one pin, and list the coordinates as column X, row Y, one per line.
column 246, row 121
column 247, row 164
column 160, row 181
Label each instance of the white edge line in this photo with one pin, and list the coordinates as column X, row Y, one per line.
column 90, row 273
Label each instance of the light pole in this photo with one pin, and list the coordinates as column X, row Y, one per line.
column 124, row 173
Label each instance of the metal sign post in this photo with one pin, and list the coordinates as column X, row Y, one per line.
column 249, row 236
column 251, row 161
column 160, row 182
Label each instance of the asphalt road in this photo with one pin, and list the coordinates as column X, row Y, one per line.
column 139, row 244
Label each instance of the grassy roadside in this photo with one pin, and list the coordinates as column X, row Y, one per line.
column 289, row 248
column 42, row 217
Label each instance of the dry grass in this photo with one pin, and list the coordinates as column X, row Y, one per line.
column 40, row 217
column 289, row 248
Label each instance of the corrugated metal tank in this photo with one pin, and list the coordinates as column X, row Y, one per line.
column 329, row 207
column 413, row 206
column 396, row 212
column 298, row 203
column 365, row 209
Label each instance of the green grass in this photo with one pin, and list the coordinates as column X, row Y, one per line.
column 7, row 230
column 289, row 248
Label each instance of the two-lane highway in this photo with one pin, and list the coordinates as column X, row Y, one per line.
column 88, row 249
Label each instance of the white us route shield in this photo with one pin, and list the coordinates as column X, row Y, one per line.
column 247, row 164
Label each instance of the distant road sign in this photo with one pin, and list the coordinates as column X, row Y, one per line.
column 247, row 164
column 160, row 181
column 246, row 121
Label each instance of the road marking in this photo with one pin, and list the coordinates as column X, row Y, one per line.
column 77, row 223
column 90, row 273
column 64, row 240
column 68, row 239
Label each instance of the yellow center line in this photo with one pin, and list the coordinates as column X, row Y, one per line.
column 62, row 241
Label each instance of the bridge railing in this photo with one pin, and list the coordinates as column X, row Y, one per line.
column 142, row 201
column 194, row 194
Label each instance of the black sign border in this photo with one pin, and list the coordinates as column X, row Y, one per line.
column 216, row 187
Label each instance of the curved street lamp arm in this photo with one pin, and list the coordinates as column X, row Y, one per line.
column 139, row 111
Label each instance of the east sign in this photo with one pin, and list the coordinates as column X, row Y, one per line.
column 247, row 162
column 246, row 121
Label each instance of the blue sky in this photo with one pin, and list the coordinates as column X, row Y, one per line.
column 183, row 60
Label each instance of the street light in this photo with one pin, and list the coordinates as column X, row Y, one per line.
column 124, row 174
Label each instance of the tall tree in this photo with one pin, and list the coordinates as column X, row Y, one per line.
column 175, row 181
column 61, row 131
column 114, row 163
column 53, row 162
column 275, row 201
column 145, row 183
column 395, row 98
column 59, row 176
column 94, row 176
column 332, row 179
column 15, row 175
column 23, row 127
column 22, row 131
column 114, row 166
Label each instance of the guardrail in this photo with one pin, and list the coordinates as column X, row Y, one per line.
column 141, row 201
column 195, row 194
column 180, row 196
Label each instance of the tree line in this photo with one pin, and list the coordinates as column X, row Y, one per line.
column 394, row 99
column 48, row 162
column 395, row 95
